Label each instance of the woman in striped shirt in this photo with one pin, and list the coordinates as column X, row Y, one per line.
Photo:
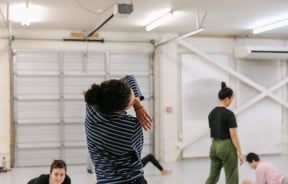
column 115, row 138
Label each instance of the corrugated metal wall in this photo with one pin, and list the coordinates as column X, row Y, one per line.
column 49, row 108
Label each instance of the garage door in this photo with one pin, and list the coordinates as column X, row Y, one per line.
column 48, row 100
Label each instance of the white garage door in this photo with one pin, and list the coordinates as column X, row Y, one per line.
column 48, row 100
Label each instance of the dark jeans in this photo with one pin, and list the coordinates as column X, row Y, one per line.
column 138, row 181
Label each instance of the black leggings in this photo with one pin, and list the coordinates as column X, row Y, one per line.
column 151, row 158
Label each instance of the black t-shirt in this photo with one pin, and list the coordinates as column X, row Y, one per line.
column 44, row 179
column 220, row 120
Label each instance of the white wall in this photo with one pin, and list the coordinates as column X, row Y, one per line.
column 254, row 124
column 5, row 100
column 167, row 77
column 166, row 100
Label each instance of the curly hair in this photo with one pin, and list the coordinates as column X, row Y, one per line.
column 109, row 97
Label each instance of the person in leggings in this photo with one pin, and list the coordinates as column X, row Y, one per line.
column 154, row 161
column 225, row 143
column 148, row 158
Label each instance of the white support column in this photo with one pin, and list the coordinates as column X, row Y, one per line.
column 284, row 111
column 166, row 97
column 5, row 101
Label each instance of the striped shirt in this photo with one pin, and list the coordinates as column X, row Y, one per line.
column 115, row 143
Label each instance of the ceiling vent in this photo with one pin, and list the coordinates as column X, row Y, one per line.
column 261, row 53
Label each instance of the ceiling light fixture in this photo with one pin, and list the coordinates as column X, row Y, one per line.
column 26, row 19
column 199, row 28
column 270, row 26
column 159, row 21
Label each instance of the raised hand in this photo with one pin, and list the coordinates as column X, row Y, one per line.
column 142, row 115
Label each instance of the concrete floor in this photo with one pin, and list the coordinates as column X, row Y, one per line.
column 193, row 171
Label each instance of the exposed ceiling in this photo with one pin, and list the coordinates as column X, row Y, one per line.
column 224, row 17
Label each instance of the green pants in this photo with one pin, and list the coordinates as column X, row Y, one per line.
column 223, row 154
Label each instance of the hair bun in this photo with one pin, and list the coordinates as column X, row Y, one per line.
column 224, row 91
column 92, row 95
column 223, row 85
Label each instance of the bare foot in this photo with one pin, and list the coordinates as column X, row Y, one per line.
column 165, row 172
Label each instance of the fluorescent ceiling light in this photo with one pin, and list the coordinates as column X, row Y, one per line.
column 270, row 26
column 24, row 14
column 27, row 16
column 159, row 21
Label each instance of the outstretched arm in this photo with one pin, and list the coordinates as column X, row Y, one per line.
column 132, row 82
column 143, row 117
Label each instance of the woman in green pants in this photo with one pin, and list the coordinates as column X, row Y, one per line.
column 225, row 142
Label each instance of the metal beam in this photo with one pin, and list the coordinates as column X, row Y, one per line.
column 262, row 95
column 180, row 37
column 199, row 28
column 264, row 91
column 233, row 73
column 90, row 33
